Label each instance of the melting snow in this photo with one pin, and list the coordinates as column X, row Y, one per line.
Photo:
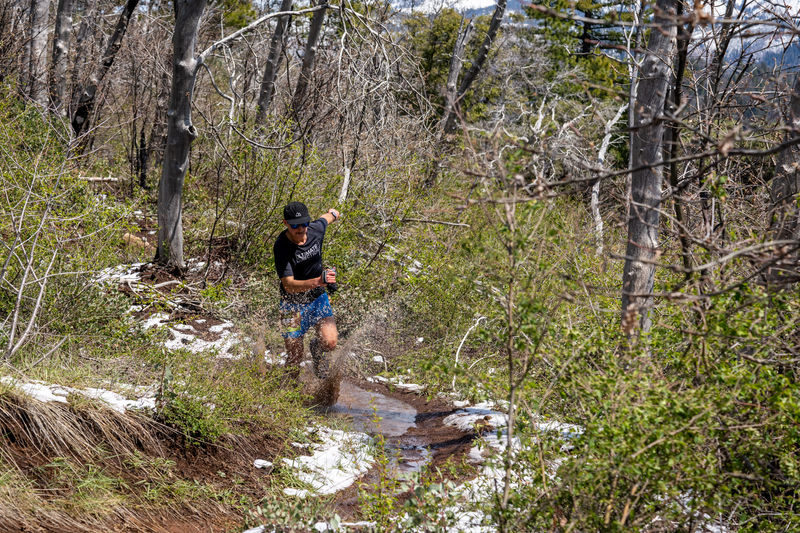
column 465, row 419
column 184, row 336
column 120, row 274
column 219, row 328
column 47, row 392
column 483, row 487
column 397, row 383
column 335, row 463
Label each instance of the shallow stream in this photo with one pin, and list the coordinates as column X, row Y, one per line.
column 378, row 414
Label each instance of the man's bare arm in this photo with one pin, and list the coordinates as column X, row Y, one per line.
column 331, row 216
column 292, row 285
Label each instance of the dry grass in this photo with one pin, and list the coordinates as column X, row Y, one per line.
column 71, row 430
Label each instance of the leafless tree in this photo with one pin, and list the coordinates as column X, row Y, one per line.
column 61, row 42
column 642, row 250
column 36, row 51
column 477, row 64
column 303, row 79
column 276, row 48
column 181, row 132
column 87, row 95
column 456, row 62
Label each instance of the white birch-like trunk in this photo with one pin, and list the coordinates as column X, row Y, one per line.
column 601, row 159
column 456, row 62
column 477, row 65
column 345, row 185
column 315, row 29
column 87, row 95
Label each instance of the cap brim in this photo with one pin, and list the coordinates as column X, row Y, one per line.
column 300, row 220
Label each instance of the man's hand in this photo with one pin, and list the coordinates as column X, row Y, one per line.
column 332, row 215
column 328, row 276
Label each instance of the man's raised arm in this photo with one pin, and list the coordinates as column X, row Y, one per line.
column 331, row 216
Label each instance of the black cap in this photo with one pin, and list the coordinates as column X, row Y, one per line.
column 296, row 213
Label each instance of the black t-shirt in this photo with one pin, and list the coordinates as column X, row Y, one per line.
column 302, row 262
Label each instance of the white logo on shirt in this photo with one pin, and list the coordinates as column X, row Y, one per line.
column 302, row 256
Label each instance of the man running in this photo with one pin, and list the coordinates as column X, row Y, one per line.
column 304, row 301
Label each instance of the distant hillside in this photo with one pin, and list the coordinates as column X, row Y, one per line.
column 469, row 8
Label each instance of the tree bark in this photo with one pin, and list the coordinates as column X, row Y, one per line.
column 642, row 251
column 477, row 65
column 308, row 58
column 37, row 54
column 456, row 62
column 785, row 216
column 11, row 23
column 58, row 79
column 180, row 132
column 276, row 47
column 87, row 94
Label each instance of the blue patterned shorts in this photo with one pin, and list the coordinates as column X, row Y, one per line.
column 297, row 319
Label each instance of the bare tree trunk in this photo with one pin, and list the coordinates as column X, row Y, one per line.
column 477, row 65
column 456, row 61
column 11, row 13
column 308, row 57
column 785, row 215
column 276, row 46
column 180, row 132
column 642, row 251
column 87, row 94
column 37, row 56
column 634, row 39
column 58, row 79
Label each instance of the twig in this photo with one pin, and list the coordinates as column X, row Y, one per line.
column 461, row 344
column 45, row 356
column 442, row 222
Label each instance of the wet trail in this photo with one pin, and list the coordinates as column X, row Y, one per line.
column 414, row 434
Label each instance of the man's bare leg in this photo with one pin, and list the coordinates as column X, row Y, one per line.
column 294, row 355
column 325, row 341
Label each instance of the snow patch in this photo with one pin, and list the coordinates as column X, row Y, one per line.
column 335, row 464
column 219, row 328
column 465, row 419
column 184, row 336
column 119, row 274
column 48, row 392
column 397, row 383
column 155, row 320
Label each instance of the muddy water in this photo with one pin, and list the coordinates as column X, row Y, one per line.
column 376, row 414
column 372, row 412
